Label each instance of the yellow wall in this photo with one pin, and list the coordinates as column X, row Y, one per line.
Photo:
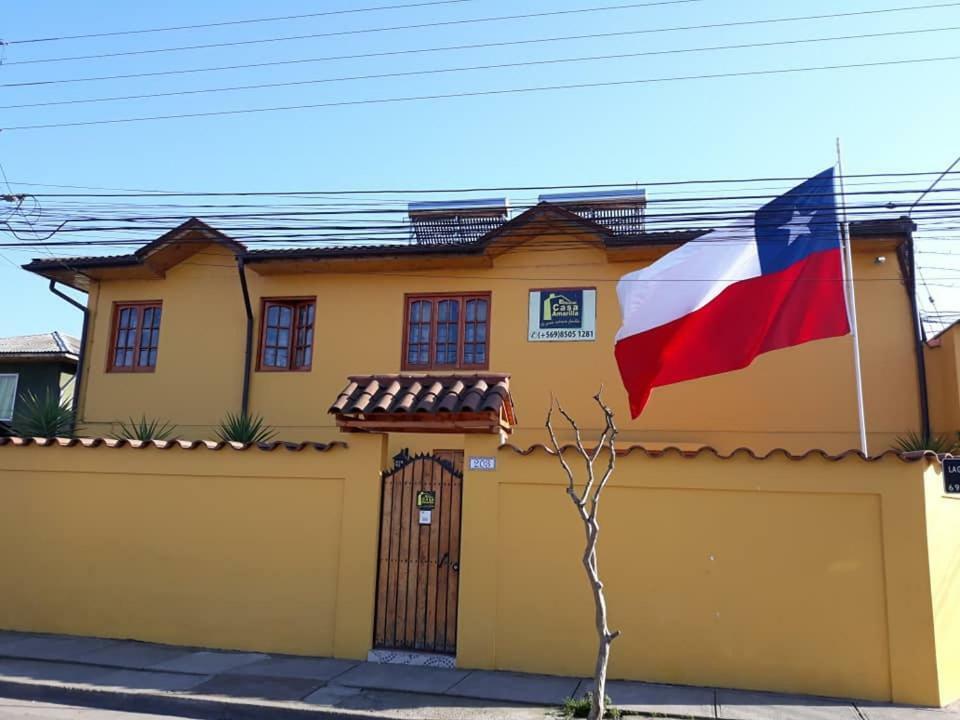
column 200, row 358
column 798, row 576
column 797, row 398
column 831, row 578
column 943, row 542
column 243, row 550
column 943, row 366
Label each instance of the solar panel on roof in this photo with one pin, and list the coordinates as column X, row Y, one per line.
column 620, row 210
column 446, row 222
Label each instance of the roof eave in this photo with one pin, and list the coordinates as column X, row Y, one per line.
column 39, row 357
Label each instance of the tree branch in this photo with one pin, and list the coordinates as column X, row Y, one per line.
column 571, row 479
column 582, row 450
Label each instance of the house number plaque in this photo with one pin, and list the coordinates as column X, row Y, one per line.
column 480, row 462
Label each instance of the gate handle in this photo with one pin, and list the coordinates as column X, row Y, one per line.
column 456, row 567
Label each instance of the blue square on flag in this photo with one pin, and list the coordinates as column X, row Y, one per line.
column 798, row 223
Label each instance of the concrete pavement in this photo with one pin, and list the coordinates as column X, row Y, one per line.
column 194, row 682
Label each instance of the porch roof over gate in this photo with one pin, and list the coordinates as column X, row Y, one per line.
column 426, row 403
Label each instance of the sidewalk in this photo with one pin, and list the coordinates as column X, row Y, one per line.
column 163, row 679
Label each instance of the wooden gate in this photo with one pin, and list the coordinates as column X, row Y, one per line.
column 418, row 576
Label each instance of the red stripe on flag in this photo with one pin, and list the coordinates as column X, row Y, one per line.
column 801, row 303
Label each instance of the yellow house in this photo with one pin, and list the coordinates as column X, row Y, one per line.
column 279, row 331
column 732, row 569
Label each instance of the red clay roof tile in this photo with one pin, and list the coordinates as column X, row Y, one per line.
column 426, row 394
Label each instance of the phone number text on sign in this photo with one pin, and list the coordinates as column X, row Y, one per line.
column 562, row 335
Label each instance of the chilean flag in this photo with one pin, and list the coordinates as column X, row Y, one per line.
column 715, row 303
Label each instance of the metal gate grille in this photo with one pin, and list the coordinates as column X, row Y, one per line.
column 419, row 562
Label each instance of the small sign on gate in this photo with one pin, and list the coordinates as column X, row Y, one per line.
column 426, row 500
column 426, row 517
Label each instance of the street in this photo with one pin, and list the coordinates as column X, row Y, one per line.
column 16, row 709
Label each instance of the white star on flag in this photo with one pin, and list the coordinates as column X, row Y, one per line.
column 798, row 228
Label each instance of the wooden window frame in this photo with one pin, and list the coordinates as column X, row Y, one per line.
column 294, row 302
column 434, row 298
column 119, row 305
column 16, row 385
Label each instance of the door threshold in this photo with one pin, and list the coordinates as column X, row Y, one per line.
column 411, row 657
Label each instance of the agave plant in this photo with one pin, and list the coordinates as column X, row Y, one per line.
column 45, row 416
column 145, row 429
column 244, row 428
column 918, row 442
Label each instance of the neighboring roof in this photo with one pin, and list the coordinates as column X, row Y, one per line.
column 52, row 346
column 469, row 402
column 154, row 258
column 885, row 227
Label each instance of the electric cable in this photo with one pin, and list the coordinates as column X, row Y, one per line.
column 364, row 31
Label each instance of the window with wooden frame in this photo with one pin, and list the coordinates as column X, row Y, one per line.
column 447, row 332
column 135, row 337
column 286, row 334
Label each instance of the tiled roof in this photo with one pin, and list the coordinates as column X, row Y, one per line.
column 613, row 238
column 740, row 452
column 55, row 344
column 167, row 444
column 324, row 447
column 361, row 250
column 425, row 394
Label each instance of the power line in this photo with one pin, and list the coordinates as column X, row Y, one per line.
column 496, row 66
column 10, row 190
column 892, row 177
column 400, row 208
column 940, row 177
column 224, row 23
column 381, row 233
column 474, row 46
column 353, row 224
column 19, row 209
column 916, row 202
column 364, row 31
column 482, row 93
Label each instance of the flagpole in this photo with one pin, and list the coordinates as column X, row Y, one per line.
column 851, row 303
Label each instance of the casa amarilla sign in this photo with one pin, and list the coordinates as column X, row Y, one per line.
column 563, row 315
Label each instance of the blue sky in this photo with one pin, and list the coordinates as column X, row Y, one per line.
column 890, row 119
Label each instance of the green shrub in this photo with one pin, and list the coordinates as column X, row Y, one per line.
column 45, row 417
column 580, row 707
column 917, row 442
column 244, row 428
column 145, row 429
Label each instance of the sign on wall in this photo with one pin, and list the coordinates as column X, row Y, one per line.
column 482, row 462
column 951, row 476
column 563, row 315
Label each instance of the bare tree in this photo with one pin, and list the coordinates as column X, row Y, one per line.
column 587, row 501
